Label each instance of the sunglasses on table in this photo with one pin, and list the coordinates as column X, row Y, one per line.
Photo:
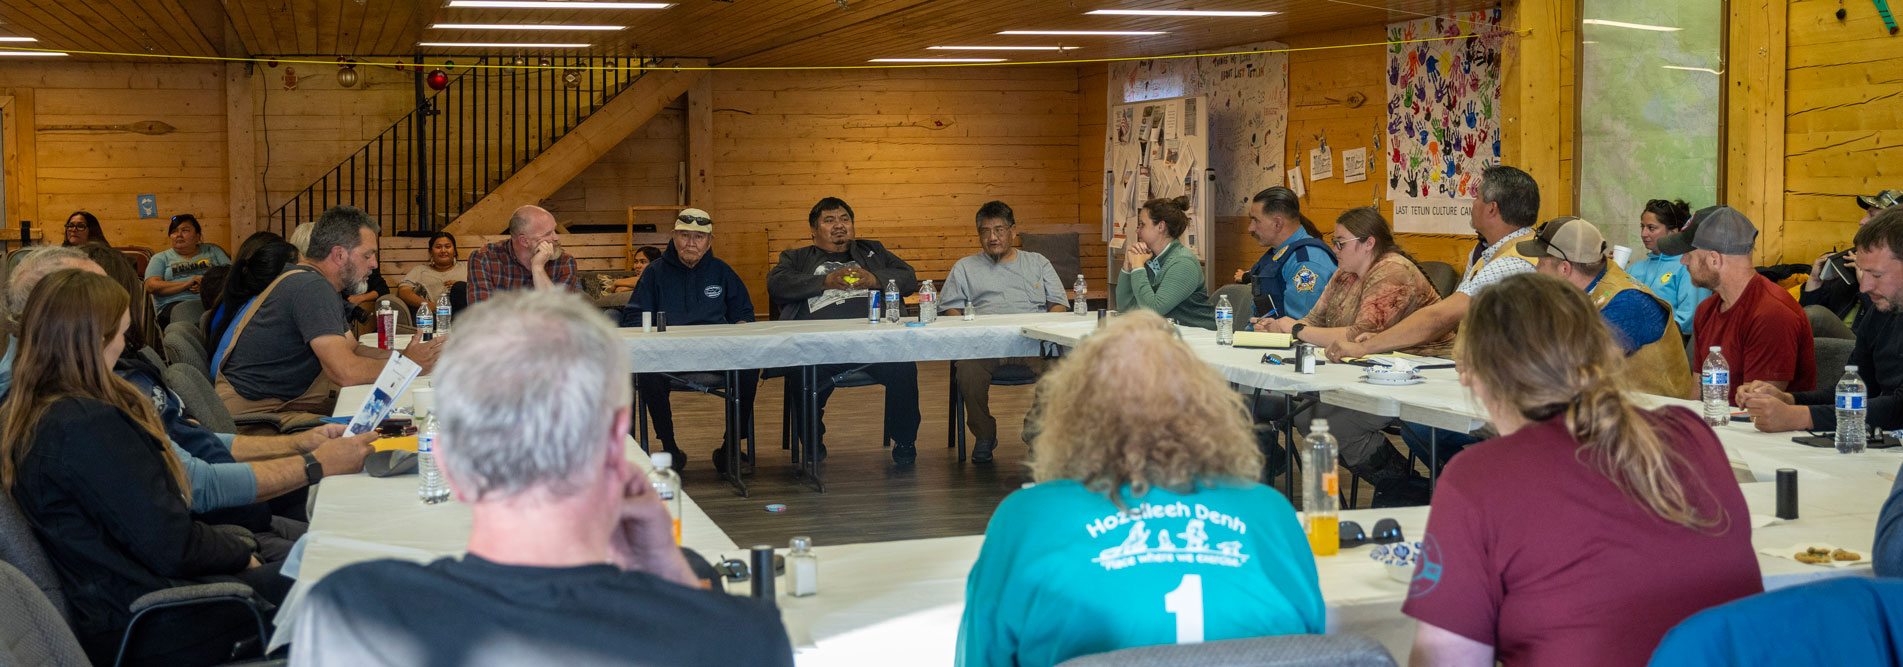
column 1386, row 531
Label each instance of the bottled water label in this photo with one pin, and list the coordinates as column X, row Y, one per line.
column 1850, row 401
column 425, row 443
column 1718, row 377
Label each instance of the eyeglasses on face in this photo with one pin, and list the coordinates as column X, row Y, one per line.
column 1341, row 242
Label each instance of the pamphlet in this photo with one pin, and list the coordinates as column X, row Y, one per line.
column 396, row 377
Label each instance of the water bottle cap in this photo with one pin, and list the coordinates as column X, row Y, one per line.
column 1714, row 348
column 1318, row 425
column 1850, row 368
column 662, row 460
column 801, row 543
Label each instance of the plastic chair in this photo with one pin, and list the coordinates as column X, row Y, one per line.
column 46, row 634
column 1061, row 249
column 185, row 344
column 1442, row 276
column 1241, row 298
column 1281, row 651
column 1831, row 355
column 1841, row 621
column 201, row 402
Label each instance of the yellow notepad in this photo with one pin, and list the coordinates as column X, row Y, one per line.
column 1263, row 339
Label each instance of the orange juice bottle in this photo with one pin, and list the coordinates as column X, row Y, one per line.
column 667, row 484
column 1320, row 490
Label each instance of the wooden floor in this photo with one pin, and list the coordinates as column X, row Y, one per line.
column 868, row 498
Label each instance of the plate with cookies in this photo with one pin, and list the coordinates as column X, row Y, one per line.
column 1824, row 555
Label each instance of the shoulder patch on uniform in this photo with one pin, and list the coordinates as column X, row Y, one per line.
column 1305, row 280
column 1278, row 254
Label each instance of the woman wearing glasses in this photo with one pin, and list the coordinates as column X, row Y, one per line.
column 1590, row 526
column 83, row 228
column 1147, row 525
column 1377, row 286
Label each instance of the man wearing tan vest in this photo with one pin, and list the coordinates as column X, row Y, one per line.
column 1574, row 251
column 1508, row 205
column 292, row 348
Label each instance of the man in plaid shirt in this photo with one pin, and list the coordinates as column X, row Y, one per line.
column 532, row 257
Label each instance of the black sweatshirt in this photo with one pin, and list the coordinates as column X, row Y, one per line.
column 1878, row 357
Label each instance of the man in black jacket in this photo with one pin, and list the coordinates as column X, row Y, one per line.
column 831, row 280
column 691, row 286
column 1836, row 291
column 1878, row 354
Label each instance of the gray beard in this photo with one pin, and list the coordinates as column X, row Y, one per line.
column 359, row 287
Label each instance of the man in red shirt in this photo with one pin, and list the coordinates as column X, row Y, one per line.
column 531, row 258
column 1757, row 326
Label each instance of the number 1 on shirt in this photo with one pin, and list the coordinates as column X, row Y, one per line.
column 1186, row 602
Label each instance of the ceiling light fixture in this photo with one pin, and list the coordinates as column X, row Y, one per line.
column 1133, row 33
column 521, row 26
column 558, row 4
column 32, row 53
column 1634, row 26
column 1176, row 12
column 936, row 60
column 503, row 45
column 999, row 48
column 18, row 39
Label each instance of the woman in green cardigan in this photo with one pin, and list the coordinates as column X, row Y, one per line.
column 1169, row 281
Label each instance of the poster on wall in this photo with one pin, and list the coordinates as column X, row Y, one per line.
column 1443, row 105
column 1354, row 165
column 1247, row 116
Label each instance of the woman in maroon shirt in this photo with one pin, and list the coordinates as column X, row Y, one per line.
column 1590, row 526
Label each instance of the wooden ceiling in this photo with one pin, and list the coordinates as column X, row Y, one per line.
column 727, row 32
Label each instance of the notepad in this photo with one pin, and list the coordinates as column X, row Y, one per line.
column 1263, row 339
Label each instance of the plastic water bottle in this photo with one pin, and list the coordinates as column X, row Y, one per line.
column 1225, row 321
column 1321, row 490
column 927, row 303
column 430, row 485
column 1715, row 382
column 894, row 308
column 1851, row 434
column 1080, row 296
column 425, row 323
column 442, row 314
column 667, row 484
column 386, row 325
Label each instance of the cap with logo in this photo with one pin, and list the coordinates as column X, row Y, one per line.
column 1720, row 229
column 694, row 220
column 1881, row 200
column 1568, row 238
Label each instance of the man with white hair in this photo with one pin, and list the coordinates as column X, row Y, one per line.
column 571, row 556
column 290, row 352
column 531, row 257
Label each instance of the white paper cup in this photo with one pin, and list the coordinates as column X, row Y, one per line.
column 423, row 400
column 1621, row 255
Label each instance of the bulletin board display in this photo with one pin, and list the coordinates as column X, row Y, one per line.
column 1158, row 149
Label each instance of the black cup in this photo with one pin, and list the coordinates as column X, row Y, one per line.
column 1786, row 493
column 660, row 322
column 763, row 573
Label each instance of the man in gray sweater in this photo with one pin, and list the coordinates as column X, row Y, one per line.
column 831, row 280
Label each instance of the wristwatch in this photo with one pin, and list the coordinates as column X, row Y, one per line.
column 313, row 470
column 1295, row 331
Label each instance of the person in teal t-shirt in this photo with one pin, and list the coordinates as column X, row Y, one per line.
column 1663, row 274
column 173, row 276
column 1147, row 525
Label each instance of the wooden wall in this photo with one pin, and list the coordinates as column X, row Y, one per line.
column 1843, row 124
column 643, row 170
column 302, row 133
column 72, row 151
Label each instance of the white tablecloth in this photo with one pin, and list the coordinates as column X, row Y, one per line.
column 802, row 342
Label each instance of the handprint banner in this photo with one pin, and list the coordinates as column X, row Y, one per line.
column 1443, row 104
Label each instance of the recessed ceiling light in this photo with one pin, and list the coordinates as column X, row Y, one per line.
column 1175, row 12
column 1084, row 32
column 521, row 26
column 18, row 39
column 503, row 45
column 999, row 48
column 559, row 4
column 936, row 60
column 1634, row 26
column 32, row 53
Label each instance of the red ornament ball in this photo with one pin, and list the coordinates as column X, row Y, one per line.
column 437, row 79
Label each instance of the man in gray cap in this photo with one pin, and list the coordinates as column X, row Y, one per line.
column 691, row 286
column 1832, row 286
column 1573, row 250
column 1757, row 326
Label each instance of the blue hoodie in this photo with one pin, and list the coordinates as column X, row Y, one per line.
column 707, row 293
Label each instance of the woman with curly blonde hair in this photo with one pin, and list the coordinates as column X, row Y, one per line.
column 1147, row 525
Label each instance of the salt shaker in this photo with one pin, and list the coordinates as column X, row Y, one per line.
column 802, row 567
column 1305, row 358
column 971, row 311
